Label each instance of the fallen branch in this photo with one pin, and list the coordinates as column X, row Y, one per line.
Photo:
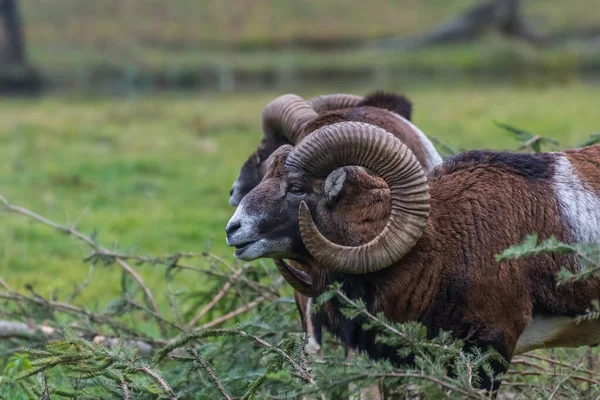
column 69, row 309
column 93, row 244
column 233, row 314
column 20, row 330
column 218, row 297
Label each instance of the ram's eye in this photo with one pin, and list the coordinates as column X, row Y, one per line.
column 297, row 190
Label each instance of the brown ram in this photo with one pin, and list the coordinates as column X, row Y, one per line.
column 288, row 118
column 423, row 250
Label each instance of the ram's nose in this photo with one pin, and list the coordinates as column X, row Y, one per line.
column 232, row 227
column 234, row 200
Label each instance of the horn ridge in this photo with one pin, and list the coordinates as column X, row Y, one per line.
column 372, row 147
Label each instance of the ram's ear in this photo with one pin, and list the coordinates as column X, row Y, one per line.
column 334, row 185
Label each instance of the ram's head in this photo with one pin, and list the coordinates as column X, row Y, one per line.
column 316, row 203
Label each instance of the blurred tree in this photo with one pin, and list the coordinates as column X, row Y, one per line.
column 16, row 75
column 502, row 16
column 9, row 12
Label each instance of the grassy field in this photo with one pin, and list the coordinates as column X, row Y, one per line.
column 154, row 173
column 185, row 24
column 150, row 42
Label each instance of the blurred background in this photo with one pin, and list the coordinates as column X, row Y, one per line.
column 133, row 117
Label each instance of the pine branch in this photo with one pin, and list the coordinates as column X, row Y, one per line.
column 159, row 379
column 156, row 316
column 530, row 140
column 109, row 257
column 125, row 389
column 233, row 313
column 267, row 290
column 554, row 362
column 546, row 373
column 562, row 381
column 441, row 382
column 174, row 305
column 593, row 139
column 362, row 310
column 89, row 360
column 208, row 368
column 218, row 297
column 585, row 252
column 206, row 333
column 90, row 242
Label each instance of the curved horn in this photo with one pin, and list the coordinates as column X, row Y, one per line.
column 285, row 116
column 337, row 101
column 365, row 145
column 296, row 278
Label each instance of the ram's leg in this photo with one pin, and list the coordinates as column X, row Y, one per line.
column 314, row 329
column 311, row 324
column 372, row 392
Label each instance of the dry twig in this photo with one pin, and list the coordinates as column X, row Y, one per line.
column 93, row 244
column 218, row 297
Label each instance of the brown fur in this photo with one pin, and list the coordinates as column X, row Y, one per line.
column 366, row 195
column 378, row 117
column 389, row 101
column 481, row 204
column 371, row 192
column 587, row 162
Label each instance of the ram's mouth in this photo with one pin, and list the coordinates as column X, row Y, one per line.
column 242, row 246
column 297, row 278
column 247, row 251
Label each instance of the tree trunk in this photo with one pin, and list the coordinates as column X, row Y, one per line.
column 511, row 22
column 503, row 16
column 13, row 31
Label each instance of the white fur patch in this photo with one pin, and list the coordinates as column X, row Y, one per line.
column 579, row 207
column 578, row 203
column 247, row 233
column 432, row 155
column 247, row 222
column 312, row 347
column 547, row 332
column 538, row 331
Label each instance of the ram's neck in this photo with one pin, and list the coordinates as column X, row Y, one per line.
column 406, row 290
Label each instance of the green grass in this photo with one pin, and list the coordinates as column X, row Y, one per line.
column 154, row 173
column 119, row 25
column 493, row 54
